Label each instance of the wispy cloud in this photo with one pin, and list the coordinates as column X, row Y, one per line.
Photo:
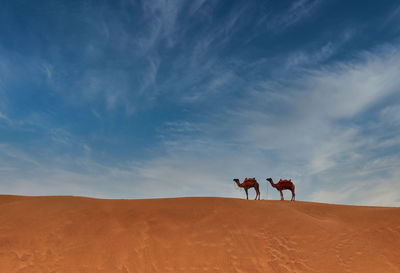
column 370, row 191
column 162, row 16
column 316, row 55
column 4, row 117
column 393, row 18
column 172, row 177
column 298, row 11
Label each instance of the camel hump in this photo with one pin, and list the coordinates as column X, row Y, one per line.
column 285, row 180
column 250, row 179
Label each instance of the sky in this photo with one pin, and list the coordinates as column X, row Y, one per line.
column 173, row 98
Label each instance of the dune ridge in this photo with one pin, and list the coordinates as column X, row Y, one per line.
column 194, row 234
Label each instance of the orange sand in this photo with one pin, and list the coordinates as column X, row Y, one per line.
column 74, row 234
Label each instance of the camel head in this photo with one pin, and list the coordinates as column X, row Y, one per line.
column 271, row 182
column 237, row 182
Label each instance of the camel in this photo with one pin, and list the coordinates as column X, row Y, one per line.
column 283, row 185
column 249, row 183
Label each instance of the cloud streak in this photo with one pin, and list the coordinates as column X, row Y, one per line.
column 296, row 12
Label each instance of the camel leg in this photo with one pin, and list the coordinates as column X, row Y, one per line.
column 247, row 194
column 281, row 196
column 293, row 196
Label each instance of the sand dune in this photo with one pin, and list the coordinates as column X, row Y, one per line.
column 74, row 234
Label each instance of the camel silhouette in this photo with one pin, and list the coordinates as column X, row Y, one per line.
column 249, row 183
column 283, row 185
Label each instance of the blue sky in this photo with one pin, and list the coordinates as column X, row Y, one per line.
column 157, row 98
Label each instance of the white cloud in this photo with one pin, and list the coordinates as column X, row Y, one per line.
column 393, row 18
column 391, row 114
column 373, row 191
column 163, row 15
column 162, row 177
column 4, row 117
column 294, row 14
column 307, row 58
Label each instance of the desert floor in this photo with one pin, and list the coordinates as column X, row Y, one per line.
column 75, row 234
